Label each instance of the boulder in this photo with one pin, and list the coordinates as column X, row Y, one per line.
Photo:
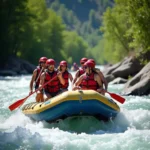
column 118, row 81
column 109, row 78
column 139, row 84
column 108, row 70
column 129, row 67
column 7, row 73
column 16, row 66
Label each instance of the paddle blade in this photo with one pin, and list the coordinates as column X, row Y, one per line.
column 21, row 101
column 16, row 104
column 117, row 97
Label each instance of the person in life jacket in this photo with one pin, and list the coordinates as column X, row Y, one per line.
column 74, row 67
column 35, row 80
column 90, row 80
column 79, row 72
column 66, row 75
column 52, row 88
column 98, row 71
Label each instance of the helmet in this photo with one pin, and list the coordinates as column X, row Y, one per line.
column 63, row 63
column 42, row 59
column 92, row 60
column 89, row 64
column 50, row 62
column 83, row 60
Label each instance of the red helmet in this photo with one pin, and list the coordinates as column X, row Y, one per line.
column 63, row 63
column 42, row 59
column 93, row 61
column 89, row 64
column 83, row 60
column 50, row 62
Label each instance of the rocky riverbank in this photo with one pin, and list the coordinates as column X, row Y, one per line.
column 16, row 66
column 131, row 72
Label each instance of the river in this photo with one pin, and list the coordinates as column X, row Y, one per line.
column 130, row 130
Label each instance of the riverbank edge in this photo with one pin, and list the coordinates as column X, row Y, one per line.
column 16, row 66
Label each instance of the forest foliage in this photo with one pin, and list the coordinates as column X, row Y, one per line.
column 105, row 30
column 34, row 28
column 126, row 30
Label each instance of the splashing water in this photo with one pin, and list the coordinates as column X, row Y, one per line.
column 129, row 130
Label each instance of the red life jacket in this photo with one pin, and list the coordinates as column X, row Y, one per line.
column 88, row 82
column 37, row 76
column 66, row 77
column 81, row 71
column 53, row 86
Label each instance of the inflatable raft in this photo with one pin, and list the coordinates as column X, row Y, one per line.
column 73, row 103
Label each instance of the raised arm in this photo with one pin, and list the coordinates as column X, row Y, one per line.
column 61, row 79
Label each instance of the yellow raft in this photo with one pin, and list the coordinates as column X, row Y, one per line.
column 73, row 103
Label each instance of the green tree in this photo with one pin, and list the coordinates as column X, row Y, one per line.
column 30, row 30
column 126, row 29
column 139, row 17
column 115, row 25
column 47, row 33
column 74, row 47
column 98, row 52
column 15, row 19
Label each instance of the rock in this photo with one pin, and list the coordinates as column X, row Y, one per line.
column 19, row 65
column 118, row 81
column 7, row 73
column 129, row 67
column 16, row 66
column 109, row 78
column 108, row 70
column 139, row 84
column 23, row 72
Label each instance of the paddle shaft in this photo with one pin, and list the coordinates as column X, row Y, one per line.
column 39, row 74
column 21, row 101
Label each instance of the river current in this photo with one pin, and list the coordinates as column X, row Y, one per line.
column 130, row 130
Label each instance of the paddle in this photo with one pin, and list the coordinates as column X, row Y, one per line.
column 21, row 101
column 39, row 74
column 116, row 97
